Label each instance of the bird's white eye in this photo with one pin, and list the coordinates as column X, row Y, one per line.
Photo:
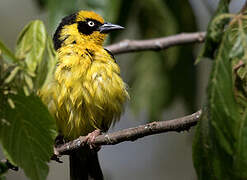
column 90, row 23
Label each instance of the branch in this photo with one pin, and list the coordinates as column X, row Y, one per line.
column 132, row 134
column 156, row 44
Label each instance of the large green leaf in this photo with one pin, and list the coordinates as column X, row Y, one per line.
column 27, row 133
column 215, row 31
column 220, row 142
column 31, row 45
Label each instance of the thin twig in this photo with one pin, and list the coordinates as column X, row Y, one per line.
column 156, row 44
column 132, row 134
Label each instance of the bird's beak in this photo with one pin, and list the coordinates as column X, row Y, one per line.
column 108, row 27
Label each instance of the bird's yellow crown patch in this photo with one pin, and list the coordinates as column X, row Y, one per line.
column 83, row 15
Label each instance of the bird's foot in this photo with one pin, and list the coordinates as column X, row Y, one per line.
column 90, row 138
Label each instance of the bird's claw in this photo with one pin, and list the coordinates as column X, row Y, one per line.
column 90, row 139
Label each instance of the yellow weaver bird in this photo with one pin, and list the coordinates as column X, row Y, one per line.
column 86, row 92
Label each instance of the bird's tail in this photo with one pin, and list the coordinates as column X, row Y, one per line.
column 84, row 165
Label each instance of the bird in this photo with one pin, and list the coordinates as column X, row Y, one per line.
column 86, row 94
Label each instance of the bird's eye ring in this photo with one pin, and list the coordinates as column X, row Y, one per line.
column 90, row 23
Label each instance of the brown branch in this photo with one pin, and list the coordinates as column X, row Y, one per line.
column 156, row 44
column 132, row 134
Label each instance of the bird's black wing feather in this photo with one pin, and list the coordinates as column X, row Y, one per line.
column 112, row 56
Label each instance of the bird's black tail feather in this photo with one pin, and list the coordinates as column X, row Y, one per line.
column 84, row 165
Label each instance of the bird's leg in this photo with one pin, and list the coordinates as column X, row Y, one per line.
column 90, row 138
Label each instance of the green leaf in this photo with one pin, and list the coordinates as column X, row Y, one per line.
column 27, row 133
column 214, row 141
column 31, row 45
column 219, row 150
column 238, row 54
column 7, row 54
column 215, row 31
column 202, row 147
column 238, row 50
column 47, row 67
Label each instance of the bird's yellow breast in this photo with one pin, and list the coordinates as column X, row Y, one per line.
column 87, row 91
